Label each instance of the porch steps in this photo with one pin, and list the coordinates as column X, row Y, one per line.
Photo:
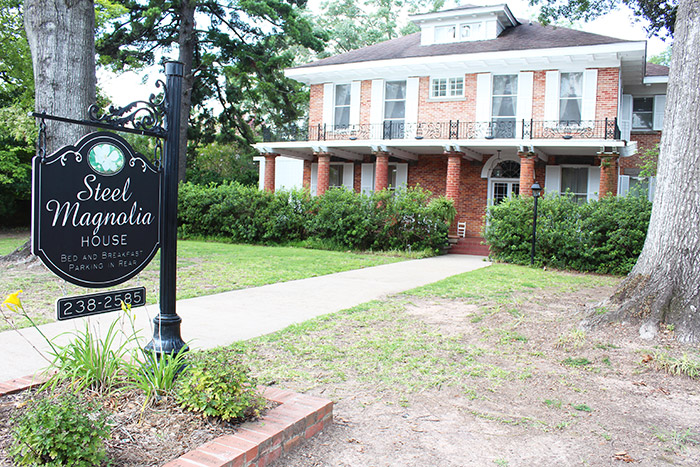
column 469, row 246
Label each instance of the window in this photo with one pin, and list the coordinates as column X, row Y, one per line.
column 570, row 98
column 342, row 106
column 444, row 34
column 643, row 113
column 335, row 175
column 503, row 105
column 574, row 180
column 394, row 109
column 447, row 87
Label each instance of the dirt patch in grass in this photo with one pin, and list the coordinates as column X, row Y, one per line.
column 529, row 388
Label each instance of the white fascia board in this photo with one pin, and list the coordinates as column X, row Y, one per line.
column 439, row 15
column 603, row 55
column 656, row 80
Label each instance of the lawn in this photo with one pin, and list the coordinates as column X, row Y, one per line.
column 487, row 368
column 204, row 268
column 12, row 239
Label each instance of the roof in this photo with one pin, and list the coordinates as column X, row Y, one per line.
column 525, row 36
column 656, row 70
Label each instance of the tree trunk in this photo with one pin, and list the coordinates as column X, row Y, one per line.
column 664, row 286
column 187, row 41
column 61, row 35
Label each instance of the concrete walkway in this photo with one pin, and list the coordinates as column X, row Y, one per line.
column 221, row 319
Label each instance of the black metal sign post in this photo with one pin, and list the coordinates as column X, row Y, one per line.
column 156, row 118
column 166, row 329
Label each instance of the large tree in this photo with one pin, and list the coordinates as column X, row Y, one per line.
column 231, row 50
column 664, row 286
column 61, row 37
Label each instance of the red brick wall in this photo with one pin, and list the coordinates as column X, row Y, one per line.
column 365, row 101
column 444, row 110
column 608, row 92
column 645, row 141
column 538, row 89
column 315, row 104
column 431, row 173
column 269, row 184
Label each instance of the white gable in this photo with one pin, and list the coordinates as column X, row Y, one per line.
column 464, row 24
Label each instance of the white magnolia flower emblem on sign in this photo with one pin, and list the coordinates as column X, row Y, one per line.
column 106, row 159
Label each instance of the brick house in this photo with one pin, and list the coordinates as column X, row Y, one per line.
column 477, row 106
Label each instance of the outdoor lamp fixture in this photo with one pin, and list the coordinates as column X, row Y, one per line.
column 536, row 190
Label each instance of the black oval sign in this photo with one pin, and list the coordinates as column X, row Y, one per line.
column 96, row 211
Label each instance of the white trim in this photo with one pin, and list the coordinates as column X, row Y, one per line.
column 355, row 91
column 659, row 108
column 328, row 104
column 655, row 80
column 625, row 120
column 593, row 56
column 493, row 161
column 551, row 95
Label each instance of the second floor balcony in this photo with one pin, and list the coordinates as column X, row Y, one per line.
column 607, row 129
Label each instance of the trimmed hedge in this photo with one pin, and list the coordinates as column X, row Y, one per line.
column 603, row 236
column 406, row 219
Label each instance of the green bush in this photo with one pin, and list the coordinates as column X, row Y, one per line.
column 60, row 430
column 603, row 236
column 217, row 384
column 339, row 219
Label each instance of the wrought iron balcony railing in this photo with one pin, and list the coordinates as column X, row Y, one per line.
column 454, row 129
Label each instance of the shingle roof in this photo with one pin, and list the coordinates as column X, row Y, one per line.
column 656, row 70
column 525, row 36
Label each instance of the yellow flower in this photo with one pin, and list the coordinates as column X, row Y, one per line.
column 12, row 301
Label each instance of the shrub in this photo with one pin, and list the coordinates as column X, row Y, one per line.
column 603, row 236
column 339, row 219
column 217, row 384
column 61, row 430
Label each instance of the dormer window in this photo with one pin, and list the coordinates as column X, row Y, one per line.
column 444, row 34
column 465, row 31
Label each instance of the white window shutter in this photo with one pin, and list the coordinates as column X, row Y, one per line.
column 328, row 97
column 411, row 107
column 551, row 97
column 623, row 185
column 590, row 91
column 261, row 173
column 376, row 108
column 552, row 180
column 355, row 90
column 625, row 120
column 401, row 175
column 659, row 106
column 524, row 105
column 367, row 179
column 314, row 178
column 483, row 102
column 349, row 175
column 652, row 188
column 593, row 182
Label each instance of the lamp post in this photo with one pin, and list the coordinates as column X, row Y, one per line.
column 536, row 190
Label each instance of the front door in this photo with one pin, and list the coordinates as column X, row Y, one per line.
column 504, row 181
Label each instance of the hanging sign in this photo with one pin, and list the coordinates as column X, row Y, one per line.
column 95, row 211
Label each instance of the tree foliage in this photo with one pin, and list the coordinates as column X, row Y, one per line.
column 661, row 14
column 234, row 52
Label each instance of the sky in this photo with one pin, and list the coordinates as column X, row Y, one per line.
column 127, row 87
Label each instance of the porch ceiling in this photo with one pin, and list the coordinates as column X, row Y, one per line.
column 410, row 149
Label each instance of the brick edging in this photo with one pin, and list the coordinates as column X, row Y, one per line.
column 257, row 444
column 254, row 444
column 20, row 384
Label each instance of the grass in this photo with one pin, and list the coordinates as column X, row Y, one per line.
column 677, row 441
column 12, row 239
column 382, row 346
column 683, row 365
column 204, row 268
column 500, row 283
